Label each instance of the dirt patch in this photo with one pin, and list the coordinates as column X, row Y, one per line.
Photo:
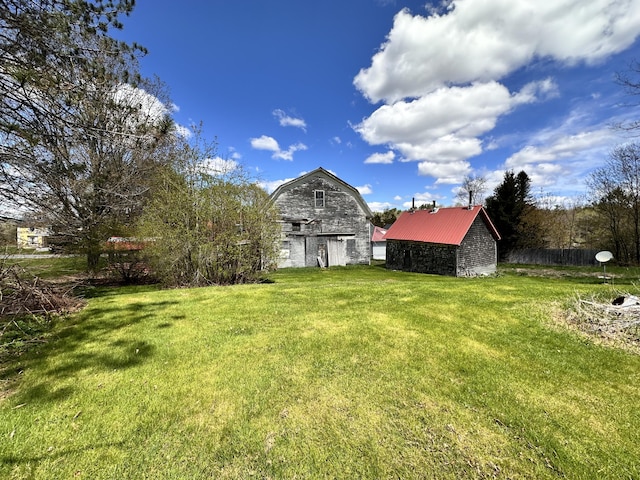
column 549, row 272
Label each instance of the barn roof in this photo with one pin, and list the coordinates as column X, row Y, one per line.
column 442, row 225
column 321, row 172
column 378, row 234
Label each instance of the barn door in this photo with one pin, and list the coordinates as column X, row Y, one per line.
column 322, row 255
column 406, row 261
column 336, row 252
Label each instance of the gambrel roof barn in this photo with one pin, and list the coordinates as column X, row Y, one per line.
column 325, row 222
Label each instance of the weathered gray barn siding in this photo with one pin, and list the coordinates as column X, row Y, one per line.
column 478, row 254
column 339, row 233
column 421, row 257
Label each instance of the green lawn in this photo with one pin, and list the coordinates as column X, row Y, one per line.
column 340, row 373
column 50, row 267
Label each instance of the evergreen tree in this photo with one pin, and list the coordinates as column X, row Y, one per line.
column 507, row 207
column 79, row 127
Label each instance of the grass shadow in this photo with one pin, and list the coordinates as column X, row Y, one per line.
column 68, row 351
column 379, row 264
column 13, row 460
column 102, row 289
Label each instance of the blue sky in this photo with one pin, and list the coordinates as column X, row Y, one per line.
column 399, row 98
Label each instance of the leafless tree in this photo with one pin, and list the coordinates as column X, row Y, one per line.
column 630, row 82
column 208, row 222
column 474, row 186
column 615, row 189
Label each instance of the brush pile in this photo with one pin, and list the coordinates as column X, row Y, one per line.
column 615, row 321
column 25, row 294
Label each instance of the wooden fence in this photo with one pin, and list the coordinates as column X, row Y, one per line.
column 547, row 256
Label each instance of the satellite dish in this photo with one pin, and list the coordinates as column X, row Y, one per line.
column 604, row 256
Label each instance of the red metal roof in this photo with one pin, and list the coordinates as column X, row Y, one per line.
column 378, row 234
column 443, row 225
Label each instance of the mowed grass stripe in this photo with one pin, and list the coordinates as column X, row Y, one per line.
column 339, row 373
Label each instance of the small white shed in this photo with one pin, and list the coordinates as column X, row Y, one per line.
column 378, row 244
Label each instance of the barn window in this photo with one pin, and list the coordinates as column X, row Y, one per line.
column 295, row 227
column 319, row 198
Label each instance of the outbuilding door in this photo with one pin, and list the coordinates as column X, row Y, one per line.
column 336, row 252
column 406, row 261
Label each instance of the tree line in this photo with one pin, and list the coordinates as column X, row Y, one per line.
column 607, row 217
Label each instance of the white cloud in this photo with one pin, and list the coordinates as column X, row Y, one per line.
column 564, row 158
column 265, row 143
column 182, row 131
column 483, row 41
column 466, row 111
column 270, row 186
column 541, row 90
column 423, row 198
column 288, row 121
column 445, row 125
column 447, row 173
column 270, row 144
column 234, row 153
column 380, row 206
column 439, row 9
column 579, row 123
column 365, row 190
column 445, row 149
column 563, row 147
column 288, row 153
column 148, row 109
column 384, row 158
column 439, row 76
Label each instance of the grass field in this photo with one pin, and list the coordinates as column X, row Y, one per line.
column 341, row 373
column 50, row 267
